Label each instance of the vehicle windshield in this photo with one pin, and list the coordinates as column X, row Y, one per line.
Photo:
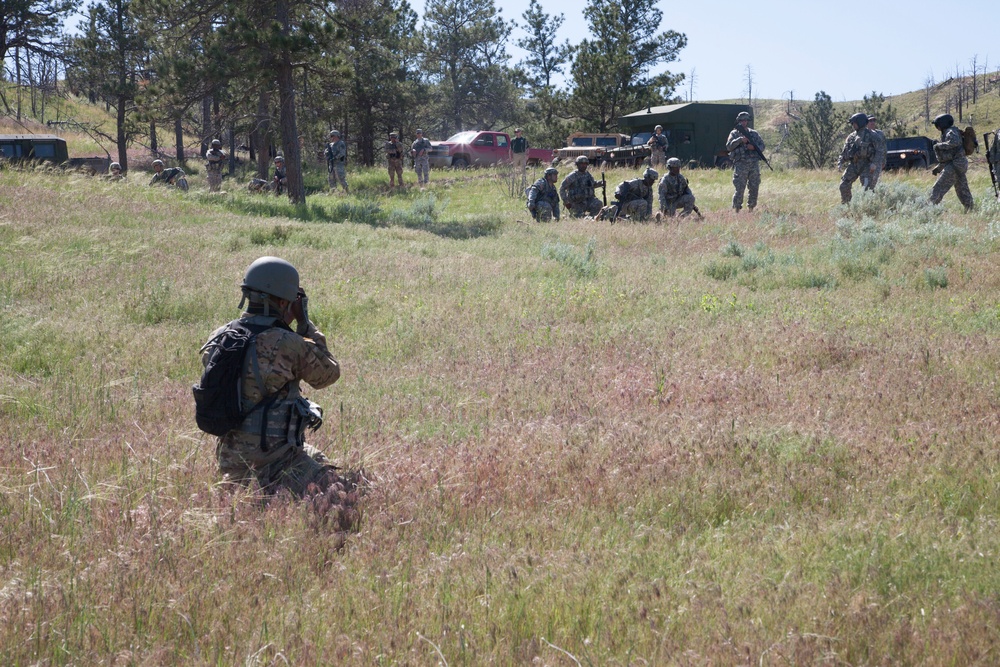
column 462, row 137
column 909, row 143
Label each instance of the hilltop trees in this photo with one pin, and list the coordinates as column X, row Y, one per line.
column 32, row 25
column 464, row 54
column 109, row 59
column 814, row 138
column 546, row 58
column 611, row 71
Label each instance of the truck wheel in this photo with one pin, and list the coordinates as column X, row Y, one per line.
column 459, row 163
column 919, row 163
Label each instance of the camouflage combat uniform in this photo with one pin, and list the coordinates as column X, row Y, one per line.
column 635, row 199
column 421, row 160
column 953, row 163
column 746, row 167
column 878, row 162
column 336, row 163
column 280, row 180
column 394, row 157
column 279, row 458
column 994, row 154
column 858, row 154
column 543, row 200
column 659, row 145
column 519, row 157
column 577, row 194
column 171, row 176
column 213, row 168
column 675, row 192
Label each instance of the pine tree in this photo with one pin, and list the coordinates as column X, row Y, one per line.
column 111, row 54
column 465, row 57
column 813, row 139
column 611, row 71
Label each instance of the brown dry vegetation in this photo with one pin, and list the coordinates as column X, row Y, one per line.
column 765, row 439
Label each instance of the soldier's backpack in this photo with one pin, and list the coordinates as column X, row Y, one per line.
column 217, row 396
column 969, row 141
column 621, row 190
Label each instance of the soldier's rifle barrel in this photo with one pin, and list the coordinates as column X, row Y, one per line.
column 746, row 134
column 604, row 188
column 993, row 167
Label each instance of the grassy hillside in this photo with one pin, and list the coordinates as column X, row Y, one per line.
column 762, row 439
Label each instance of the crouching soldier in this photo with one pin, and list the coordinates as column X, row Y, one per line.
column 577, row 191
column 173, row 176
column 543, row 198
column 114, row 172
column 280, row 179
column 634, row 198
column 675, row 191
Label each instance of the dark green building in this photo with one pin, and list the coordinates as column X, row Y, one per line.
column 697, row 130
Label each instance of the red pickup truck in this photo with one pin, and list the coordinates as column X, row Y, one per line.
column 479, row 148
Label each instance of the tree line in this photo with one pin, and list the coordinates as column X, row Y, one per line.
column 268, row 72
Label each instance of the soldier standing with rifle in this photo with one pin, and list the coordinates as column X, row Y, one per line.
column 859, row 155
column 746, row 149
column 336, row 161
column 213, row 165
column 993, row 160
column 394, row 156
column 952, row 163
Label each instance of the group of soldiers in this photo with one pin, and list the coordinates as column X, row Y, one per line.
column 633, row 198
column 863, row 157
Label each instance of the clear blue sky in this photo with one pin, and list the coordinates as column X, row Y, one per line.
column 846, row 49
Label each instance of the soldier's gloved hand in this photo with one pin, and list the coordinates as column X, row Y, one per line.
column 300, row 309
column 936, row 170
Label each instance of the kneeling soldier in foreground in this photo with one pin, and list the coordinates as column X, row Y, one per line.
column 266, row 440
column 675, row 191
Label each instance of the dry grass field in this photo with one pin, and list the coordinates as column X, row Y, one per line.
column 764, row 439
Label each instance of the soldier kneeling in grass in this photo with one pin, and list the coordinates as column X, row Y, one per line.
column 675, row 192
column 173, row 176
column 635, row 198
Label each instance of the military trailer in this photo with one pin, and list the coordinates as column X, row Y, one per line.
column 17, row 148
column 697, row 131
column 45, row 147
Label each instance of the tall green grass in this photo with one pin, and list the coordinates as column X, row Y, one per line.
column 763, row 438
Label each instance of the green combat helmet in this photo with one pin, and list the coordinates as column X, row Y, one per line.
column 583, row 159
column 216, row 143
column 551, row 171
column 944, row 121
column 673, row 162
column 743, row 115
column 269, row 276
column 859, row 119
column 650, row 175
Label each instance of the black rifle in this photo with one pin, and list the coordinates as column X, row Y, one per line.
column 742, row 130
column 604, row 188
column 698, row 212
column 993, row 167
